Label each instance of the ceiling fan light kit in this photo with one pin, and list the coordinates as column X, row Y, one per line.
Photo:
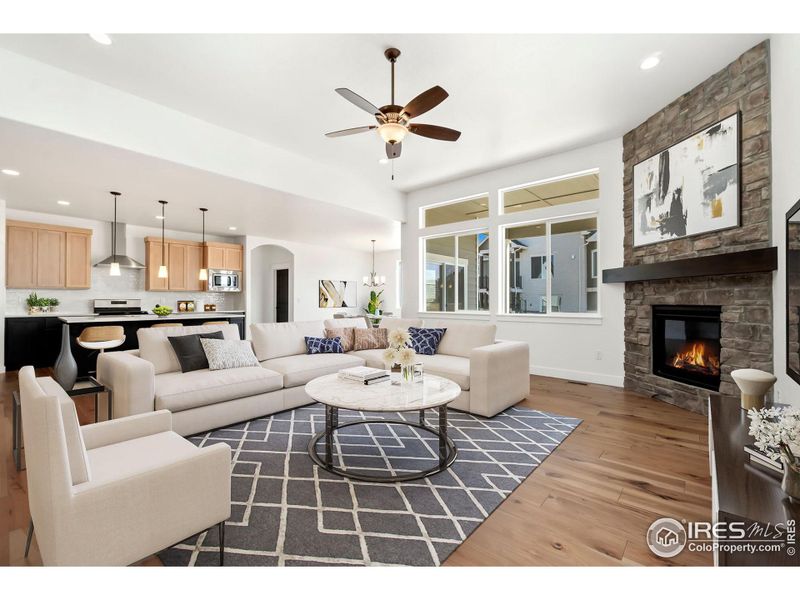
column 394, row 121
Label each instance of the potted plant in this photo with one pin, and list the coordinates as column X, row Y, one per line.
column 777, row 434
column 374, row 304
column 35, row 303
column 400, row 352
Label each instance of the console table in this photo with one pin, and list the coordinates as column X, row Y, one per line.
column 741, row 491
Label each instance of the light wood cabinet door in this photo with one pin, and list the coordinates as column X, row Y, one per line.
column 20, row 257
column 79, row 261
column 152, row 262
column 194, row 259
column 233, row 259
column 215, row 257
column 51, row 259
column 176, row 263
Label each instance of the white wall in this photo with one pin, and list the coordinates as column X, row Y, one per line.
column 785, row 82
column 386, row 265
column 264, row 260
column 565, row 347
column 311, row 263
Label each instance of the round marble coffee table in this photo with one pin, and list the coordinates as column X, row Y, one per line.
column 432, row 393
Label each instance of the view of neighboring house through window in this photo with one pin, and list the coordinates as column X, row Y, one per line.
column 534, row 284
column 457, row 272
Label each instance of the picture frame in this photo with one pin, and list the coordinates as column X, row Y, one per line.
column 337, row 293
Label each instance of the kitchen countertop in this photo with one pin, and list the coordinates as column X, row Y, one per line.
column 150, row 317
column 49, row 314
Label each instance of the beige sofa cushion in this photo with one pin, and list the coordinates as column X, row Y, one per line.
column 346, row 336
column 358, row 322
column 455, row 368
column 372, row 358
column 461, row 338
column 154, row 346
column 273, row 340
column 397, row 323
column 76, row 449
column 182, row 391
column 302, row 368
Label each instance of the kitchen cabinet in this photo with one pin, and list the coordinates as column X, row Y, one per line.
column 47, row 256
column 224, row 256
column 183, row 259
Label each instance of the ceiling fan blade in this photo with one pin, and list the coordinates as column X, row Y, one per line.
column 350, row 131
column 435, row 132
column 393, row 150
column 360, row 102
column 425, row 102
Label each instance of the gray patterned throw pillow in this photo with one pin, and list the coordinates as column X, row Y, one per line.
column 228, row 354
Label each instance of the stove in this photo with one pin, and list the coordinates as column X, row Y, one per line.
column 131, row 306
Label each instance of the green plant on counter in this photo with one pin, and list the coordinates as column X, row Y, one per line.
column 35, row 301
column 162, row 311
column 375, row 302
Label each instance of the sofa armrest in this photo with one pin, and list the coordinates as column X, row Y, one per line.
column 498, row 377
column 132, row 380
column 149, row 510
column 126, row 428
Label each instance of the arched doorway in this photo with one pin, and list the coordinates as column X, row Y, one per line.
column 272, row 284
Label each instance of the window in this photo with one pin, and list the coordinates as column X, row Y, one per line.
column 455, row 212
column 456, row 273
column 572, row 243
column 552, row 193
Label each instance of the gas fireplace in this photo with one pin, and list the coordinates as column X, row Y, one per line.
column 686, row 344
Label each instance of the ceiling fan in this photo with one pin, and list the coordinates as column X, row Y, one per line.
column 394, row 122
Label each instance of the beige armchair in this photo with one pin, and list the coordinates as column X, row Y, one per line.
column 113, row 493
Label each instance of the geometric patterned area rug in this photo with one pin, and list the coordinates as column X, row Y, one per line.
column 287, row 511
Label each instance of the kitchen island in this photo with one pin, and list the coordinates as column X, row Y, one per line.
column 36, row 339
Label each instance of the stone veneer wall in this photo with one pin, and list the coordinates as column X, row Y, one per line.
column 746, row 300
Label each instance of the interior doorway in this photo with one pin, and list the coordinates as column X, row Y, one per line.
column 282, row 295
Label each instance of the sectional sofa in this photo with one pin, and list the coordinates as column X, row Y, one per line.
column 493, row 375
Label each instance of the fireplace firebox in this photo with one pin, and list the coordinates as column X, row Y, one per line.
column 686, row 344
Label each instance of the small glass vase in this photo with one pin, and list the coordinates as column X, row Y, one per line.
column 791, row 480
column 407, row 374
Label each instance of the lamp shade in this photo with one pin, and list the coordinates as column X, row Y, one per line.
column 114, row 269
column 162, row 272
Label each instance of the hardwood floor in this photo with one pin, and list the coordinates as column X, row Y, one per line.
column 631, row 461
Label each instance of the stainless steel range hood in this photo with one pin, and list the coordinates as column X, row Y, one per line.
column 125, row 261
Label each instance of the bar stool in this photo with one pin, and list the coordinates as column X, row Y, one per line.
column 101, row 338
column 170, row 324
column 215, row 323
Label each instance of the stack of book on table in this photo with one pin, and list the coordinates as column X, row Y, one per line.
column 757, row 457
column 365, row 375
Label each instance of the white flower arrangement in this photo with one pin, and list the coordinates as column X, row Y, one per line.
column 399, row 350
column 777, row 432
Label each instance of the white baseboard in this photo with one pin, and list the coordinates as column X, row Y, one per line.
column 584, row 376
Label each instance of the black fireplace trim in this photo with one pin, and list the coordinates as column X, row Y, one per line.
column 682, row 311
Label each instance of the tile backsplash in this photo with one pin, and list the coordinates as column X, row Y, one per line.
column 129, row 285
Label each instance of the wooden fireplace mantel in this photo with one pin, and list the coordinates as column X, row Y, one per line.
column 762, row 260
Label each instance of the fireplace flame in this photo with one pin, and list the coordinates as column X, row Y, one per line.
column 697, row 358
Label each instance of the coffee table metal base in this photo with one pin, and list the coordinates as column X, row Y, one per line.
column 447, row 449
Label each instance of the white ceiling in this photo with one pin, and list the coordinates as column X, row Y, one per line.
column 55, row 166
column 514, row 97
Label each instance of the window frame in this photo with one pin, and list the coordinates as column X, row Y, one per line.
column 423, row 307
column 501, row 205
column 504, row 283
column 423, row 209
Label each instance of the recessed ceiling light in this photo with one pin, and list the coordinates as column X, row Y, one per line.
column 10, row 172
column 383, row 161
column 159, row 217
column 101, row 38
column 63, row 202
column 232, row 228
column 650, row 62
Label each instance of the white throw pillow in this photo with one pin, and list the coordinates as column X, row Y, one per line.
column 228, row 354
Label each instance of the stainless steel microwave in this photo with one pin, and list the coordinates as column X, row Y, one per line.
column 224, row 281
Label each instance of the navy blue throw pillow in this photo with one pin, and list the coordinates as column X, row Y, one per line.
column 315, row 345
column 425, row 340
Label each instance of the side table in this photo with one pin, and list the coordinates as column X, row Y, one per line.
column 83, row 387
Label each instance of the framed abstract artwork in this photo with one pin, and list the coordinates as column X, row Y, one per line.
column 337, row 294
column 690, row 188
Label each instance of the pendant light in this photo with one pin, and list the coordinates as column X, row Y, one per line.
column 162, row 269
column 113, row 270
column 373, row 280
column 203, row 271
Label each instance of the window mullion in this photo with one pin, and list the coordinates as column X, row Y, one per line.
column 547, row 263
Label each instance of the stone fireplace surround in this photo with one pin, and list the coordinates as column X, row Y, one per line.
column 745, row 298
